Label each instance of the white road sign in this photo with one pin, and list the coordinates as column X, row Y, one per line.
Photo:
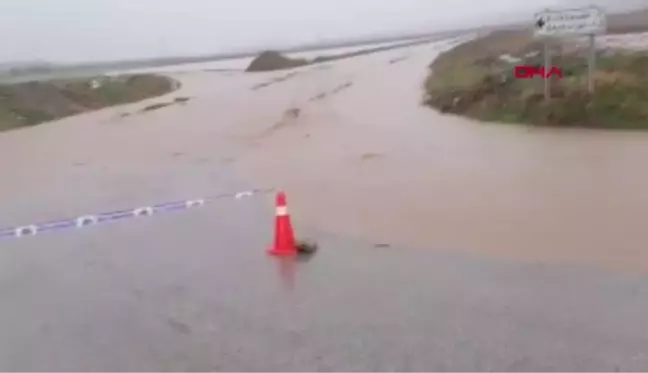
column 583, row 21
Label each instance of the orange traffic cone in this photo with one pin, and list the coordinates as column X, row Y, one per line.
column 284, row 243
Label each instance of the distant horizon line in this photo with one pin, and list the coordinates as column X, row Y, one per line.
column 324, row 43
column 249, row 51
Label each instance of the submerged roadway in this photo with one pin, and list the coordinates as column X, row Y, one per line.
column 446, row 244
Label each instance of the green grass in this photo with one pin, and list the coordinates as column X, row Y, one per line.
column 27, row 104
column 470, row 80
column 10, row 120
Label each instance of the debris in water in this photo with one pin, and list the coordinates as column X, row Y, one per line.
column 307, row 247
column 292, row 113
column 368, row 156
column 320, row 96
column 156, row 106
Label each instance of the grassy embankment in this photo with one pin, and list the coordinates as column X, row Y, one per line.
column 28, row 104
column 473, row 80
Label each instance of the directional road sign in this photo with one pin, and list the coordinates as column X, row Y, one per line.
column 570, row 22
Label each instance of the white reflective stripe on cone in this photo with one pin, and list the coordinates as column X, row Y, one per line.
column 282, row 210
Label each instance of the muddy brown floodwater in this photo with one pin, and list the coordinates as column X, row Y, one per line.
column 358, row 155
column 433, row 234
column 371, row 162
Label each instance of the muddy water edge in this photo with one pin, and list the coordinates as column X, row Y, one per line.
column 370, row 161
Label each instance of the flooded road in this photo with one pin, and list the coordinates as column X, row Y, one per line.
column 369, row 161
column 445, row 244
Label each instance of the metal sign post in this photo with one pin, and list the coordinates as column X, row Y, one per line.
column 591, row 63
column 547, row 67
column 589, row 21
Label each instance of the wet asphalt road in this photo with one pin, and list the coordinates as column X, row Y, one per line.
column 195, row 291
column 208, row 298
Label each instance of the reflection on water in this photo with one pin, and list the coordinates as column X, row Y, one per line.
column 287, row 269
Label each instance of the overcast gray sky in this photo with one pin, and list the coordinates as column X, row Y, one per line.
column 87, row 30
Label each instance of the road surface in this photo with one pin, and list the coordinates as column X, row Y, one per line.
column 446, row 244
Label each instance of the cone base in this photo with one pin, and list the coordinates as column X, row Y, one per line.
column 275, row 252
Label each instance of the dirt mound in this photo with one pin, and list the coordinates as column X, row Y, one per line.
column 32, row 103
column 271, row 60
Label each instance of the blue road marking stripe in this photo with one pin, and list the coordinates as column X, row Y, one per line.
column 89, row 220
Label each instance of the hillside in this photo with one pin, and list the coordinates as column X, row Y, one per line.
column 32, row 103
